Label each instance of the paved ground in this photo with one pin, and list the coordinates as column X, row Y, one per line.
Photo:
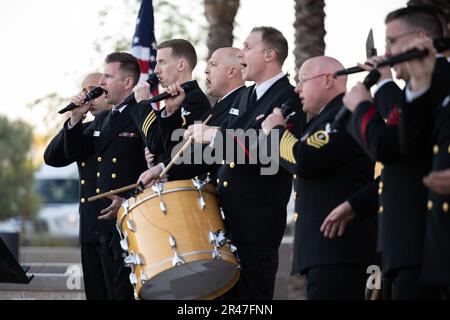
column 58, row 275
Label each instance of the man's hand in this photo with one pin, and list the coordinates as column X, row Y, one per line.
column 111, row 211
column 178, row 95
column 150, row 176
column 355, row 96
column 274, row 119
column 79, row 112
column 337, row 220
column 200, row 133
column 149, row 158
column 142, row 91
column 386, row 72
column 438, row 181
column 421, row 70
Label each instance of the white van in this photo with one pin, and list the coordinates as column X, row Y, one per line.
column 59, row 192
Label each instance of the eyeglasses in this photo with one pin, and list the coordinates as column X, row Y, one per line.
column 391, row 40
column 302, row 81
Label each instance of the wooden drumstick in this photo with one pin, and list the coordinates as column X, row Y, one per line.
column 179, row 153
column 113, row 192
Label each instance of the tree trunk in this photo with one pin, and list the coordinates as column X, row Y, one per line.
column 220, row 15
column 309, row 30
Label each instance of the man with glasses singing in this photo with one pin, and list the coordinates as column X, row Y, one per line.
column 331, row 168
column 375, row 124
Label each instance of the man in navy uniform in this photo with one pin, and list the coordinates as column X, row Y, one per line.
column 116, row 143
column 256, row 222
column 96, row 275
column 330, row 168
column 175, row 62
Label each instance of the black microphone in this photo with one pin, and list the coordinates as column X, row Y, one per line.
column 348, row 71
column 91, row 95
column 187, row 87
column 441, row 44
column 152, row 81
column 344, row 113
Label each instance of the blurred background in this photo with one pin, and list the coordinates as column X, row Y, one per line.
column 48, row 46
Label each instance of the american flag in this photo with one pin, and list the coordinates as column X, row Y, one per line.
column 143, row 46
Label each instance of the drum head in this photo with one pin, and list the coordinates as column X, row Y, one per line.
column 194, row 280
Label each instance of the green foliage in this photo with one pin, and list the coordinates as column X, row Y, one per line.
column 16, row 170
column 52, row 120
column 174, row 21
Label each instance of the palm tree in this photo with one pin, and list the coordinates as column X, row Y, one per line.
column 220, row 15
column 309, row 30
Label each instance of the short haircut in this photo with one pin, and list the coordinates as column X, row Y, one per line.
column 128, row 63
column 181, row 49
column 274, row 39
column 419, row 16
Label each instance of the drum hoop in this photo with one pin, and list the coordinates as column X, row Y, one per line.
column 191, row 253
column 165, row 192
column 126, row 207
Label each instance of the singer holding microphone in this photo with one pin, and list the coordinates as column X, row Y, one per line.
column 92, row 260
column 331, row 167
column 118, row 149
column 375, row 125
column 175, row 62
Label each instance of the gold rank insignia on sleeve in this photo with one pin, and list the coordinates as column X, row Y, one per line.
column 318, row 139
column 148, row 122
column 184, row 113
column 287, row 143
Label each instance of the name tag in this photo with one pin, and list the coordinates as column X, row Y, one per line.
column 234, row 111
column 96, row 133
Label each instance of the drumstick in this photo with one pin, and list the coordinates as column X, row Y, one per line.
column 180, row 152
column 113, row 192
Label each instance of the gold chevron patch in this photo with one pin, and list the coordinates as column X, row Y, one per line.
column 287, row 143
column 318, row 139
column 148, row 122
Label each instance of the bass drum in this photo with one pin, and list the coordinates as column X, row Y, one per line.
column 175, row 239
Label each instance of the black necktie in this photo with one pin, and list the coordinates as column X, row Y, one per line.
column 252, row 100
column 114, row 113
column 113, row 116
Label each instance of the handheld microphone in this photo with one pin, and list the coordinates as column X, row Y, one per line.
column 441, row 44
column 152, row 81
column 344, row 113
column 187, row 87
column 91, row 95
column 348, row 71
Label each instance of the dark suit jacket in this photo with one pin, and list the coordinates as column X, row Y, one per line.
column 425, row 130
column 157, row 131
column 117, row 147
column 401, row 193
column 254, row 204
column 329, row 168
column 54, row 155
column 218, row 114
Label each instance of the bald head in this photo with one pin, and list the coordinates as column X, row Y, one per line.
column 90, row 82
column 317, row 86
column 223, row 72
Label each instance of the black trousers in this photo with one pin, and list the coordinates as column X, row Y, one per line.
column 112, row 282
column 337, row 282
column 95, row 265
column 405, row 283
column 258, row 272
